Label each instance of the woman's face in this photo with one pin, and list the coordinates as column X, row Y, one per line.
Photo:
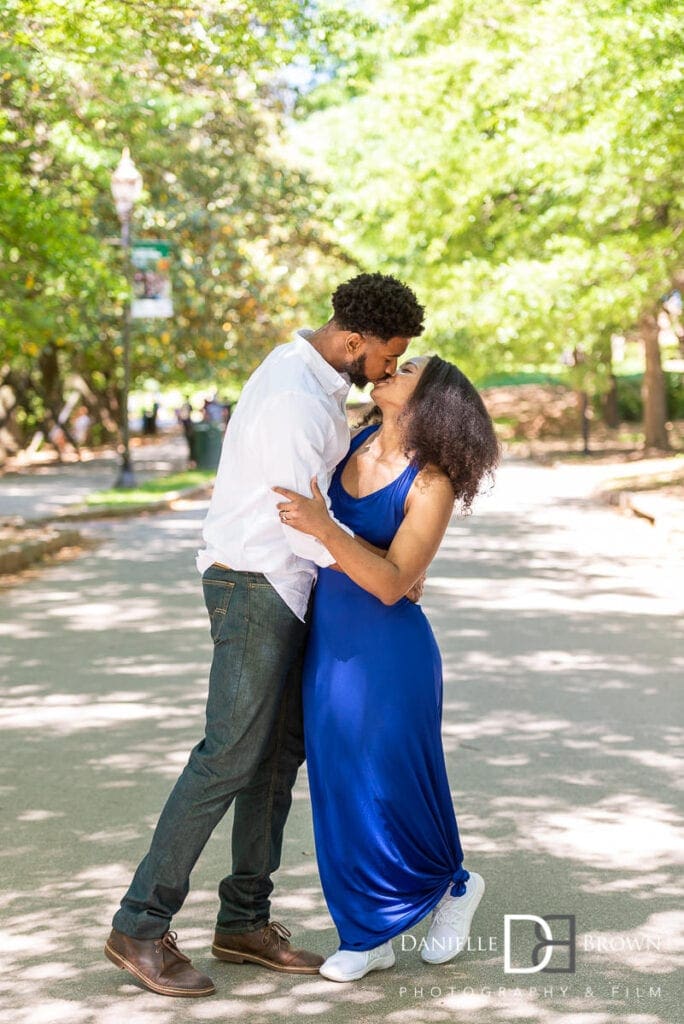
column 396, row 390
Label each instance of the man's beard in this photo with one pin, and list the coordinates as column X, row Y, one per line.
column 356, row 371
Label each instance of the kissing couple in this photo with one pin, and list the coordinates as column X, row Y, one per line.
column 346, row 671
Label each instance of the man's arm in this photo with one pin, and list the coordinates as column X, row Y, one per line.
column 292, row 435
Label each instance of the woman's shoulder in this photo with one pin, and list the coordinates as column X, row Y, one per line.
column 433, row 483
column 430, row 501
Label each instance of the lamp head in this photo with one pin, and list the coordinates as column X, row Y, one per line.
column 127, row 185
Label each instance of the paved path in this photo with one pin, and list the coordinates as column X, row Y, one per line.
column 560, row 626
column 45, row 489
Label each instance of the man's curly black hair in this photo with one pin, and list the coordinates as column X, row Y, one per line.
column 378, row 304
column 445, row 424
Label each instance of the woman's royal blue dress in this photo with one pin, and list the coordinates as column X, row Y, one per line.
column 387, row 841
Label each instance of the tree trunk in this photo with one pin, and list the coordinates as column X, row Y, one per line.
column 611, row 411
column 653, row 391
column 584, row 420
column 8, row 401
column 24, row 393
column 50, row 381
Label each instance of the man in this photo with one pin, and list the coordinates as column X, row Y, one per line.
column 289, row 425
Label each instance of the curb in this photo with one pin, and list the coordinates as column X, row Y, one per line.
column 84, row 514
column 624, row 502
column 631, row 494
column 27, row 551
column 17, row 557
column 663, row 518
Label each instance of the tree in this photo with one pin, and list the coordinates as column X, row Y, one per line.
column 653, row 390
column 519, row 164
column 190, row 88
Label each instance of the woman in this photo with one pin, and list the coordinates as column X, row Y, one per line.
column 386, row 836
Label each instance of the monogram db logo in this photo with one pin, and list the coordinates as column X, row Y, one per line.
column 546, row 942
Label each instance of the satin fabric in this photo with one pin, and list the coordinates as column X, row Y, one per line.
column 387, row 841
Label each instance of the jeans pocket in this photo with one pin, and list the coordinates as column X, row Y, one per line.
column 270, row 617
column 217, row 596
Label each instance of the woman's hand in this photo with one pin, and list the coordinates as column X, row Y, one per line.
column 308, row 515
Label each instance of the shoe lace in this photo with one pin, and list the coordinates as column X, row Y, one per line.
column 168, row 941
column 449, row 912
column 277, row 933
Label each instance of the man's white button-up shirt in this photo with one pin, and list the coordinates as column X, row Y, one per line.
column 289, row 425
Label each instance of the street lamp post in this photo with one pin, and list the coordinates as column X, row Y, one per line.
column 126, row 189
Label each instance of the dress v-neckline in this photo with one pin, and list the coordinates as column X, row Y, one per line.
column 363, row 497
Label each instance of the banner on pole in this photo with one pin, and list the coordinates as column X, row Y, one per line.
column 151, row 280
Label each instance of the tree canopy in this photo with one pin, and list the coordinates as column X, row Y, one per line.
column 192, row 89
column 520, row 164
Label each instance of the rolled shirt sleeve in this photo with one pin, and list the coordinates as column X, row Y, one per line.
column 293, row 434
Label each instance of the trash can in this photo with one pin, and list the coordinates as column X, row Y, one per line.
column 206, row 443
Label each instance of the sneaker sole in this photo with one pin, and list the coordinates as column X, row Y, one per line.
column 162, row 990
column 234, row 957
column 378, row 965
column 452, row 956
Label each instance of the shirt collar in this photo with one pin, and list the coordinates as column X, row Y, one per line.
column 326, row 375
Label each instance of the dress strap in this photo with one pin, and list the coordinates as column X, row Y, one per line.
column 355, row 442
column 362, row 435
column 403, row 483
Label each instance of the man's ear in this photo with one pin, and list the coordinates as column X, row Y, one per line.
column 353, row 343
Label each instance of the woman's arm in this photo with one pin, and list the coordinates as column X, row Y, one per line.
column 429, row 508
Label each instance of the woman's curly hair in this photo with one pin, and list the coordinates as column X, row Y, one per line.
column 446, row 424
column 378, row 304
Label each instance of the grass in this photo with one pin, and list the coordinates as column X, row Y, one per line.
column 653, row 482
column 160, row 488
column 505, row 379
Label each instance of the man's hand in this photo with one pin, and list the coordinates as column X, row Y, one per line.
column 416, row 591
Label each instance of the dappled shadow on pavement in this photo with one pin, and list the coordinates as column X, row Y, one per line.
column 561, row 655
column 44, row 490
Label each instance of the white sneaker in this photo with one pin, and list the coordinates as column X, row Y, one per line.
column 450, row 927
column 350, row 965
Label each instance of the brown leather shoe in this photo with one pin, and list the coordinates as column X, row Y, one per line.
column 158, row 964
column 267, row 946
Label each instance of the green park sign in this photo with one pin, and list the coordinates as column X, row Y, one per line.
column 151, row 280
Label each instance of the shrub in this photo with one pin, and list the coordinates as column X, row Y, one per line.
column 630, row 402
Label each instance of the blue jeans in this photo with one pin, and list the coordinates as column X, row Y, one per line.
column 251, row 751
